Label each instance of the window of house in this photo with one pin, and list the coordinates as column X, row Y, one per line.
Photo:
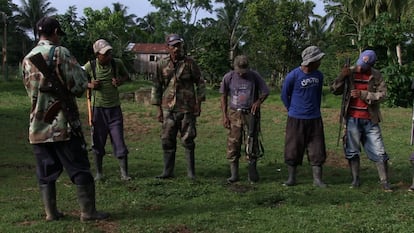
column 152, row 58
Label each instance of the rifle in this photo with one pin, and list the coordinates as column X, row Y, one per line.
column 253, row 136
column 341, row 118
column 65, row 100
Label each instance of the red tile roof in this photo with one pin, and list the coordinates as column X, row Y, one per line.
column 145, row 48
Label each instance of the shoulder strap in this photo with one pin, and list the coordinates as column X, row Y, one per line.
column 51, row 61
column 113, row 64
column 93, row 67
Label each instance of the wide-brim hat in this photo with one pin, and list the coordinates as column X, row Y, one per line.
column 311, row 54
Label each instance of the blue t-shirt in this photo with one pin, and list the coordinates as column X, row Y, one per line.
column 302, row 93
column 241, row 89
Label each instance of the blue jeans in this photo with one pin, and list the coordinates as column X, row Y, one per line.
column 364, row 132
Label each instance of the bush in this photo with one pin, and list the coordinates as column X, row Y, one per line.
column 398, row 79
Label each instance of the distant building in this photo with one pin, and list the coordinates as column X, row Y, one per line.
column 146, row 57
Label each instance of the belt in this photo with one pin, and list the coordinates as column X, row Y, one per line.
column 242, row 110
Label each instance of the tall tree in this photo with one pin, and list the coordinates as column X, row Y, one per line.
column 31, row 11
column 229, row 18
column 115, row 26
column 180, row 16
column 14, row 41
column 75, row 38
column 277, row 33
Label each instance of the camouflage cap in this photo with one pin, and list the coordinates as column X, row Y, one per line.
column 101, row 46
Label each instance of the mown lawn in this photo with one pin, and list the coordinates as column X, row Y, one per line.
column 208, row 204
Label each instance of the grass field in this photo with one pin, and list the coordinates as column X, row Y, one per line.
column 208, row 204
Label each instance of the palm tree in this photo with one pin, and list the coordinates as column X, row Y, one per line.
column 31, row 11
column 128, row 19
column 229, row 18
column 396, row 8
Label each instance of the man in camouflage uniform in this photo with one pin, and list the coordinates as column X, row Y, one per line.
column 178, row 91
column 246, row 90
column 55, row 145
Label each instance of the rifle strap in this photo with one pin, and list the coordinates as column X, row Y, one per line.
column 51, row 61
column 93, row 67
column 113, row 65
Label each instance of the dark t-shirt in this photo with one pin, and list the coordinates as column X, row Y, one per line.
column 241, row 90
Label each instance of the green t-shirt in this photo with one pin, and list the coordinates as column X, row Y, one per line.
column 107, row 96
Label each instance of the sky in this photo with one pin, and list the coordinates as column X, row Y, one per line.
column 138, row 7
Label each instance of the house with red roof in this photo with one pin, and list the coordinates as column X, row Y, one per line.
column 146, row 57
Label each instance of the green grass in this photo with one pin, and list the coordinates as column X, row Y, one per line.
column 146, row 204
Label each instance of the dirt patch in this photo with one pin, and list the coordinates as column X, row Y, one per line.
column 336, row 160
column 107, row 226
column 136, row 126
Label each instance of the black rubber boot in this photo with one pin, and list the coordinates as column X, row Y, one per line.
column 354, row 165
column 189, row 154
column 382, row 168
column 317, row 177
column 291, row 181
column 169, row 163
column 253, row 175
column 234, row 169
column 48, row 194
column 123, row 166
column 98, row 166
column 86, row 199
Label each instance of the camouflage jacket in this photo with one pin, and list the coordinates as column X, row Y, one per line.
column 178, row 87
column 70, row 74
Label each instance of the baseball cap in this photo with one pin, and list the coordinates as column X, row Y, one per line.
column 48, row 25
column 241, row 64
column 173, row 39
column 311, row 54
column 101, row 46
column 367, row 58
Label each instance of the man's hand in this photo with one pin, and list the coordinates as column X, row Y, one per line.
column 160, row 116
column 197, row 109
column 345, row 72
column 256, row 106
column 94, row 84
column 226, row 121
column 355, row 93
column 116, row 82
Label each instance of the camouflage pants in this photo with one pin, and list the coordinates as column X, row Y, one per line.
column 173, row 123
column 238, row 134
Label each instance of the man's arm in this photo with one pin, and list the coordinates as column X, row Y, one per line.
column 225, row 117
column 379, row 94
column 264, row 93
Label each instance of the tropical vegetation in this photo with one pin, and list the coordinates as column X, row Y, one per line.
column 271, row 32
